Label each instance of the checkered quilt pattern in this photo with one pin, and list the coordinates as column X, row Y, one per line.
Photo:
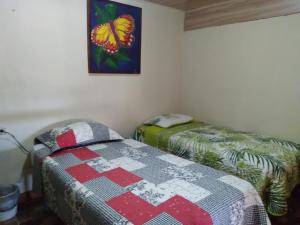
column 128, row 182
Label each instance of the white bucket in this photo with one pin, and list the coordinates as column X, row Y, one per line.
column 7, row 215
column 8, row 202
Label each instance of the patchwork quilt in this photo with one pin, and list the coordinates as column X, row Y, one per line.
column 77, row 134
column 270, row 164
column 128, row 182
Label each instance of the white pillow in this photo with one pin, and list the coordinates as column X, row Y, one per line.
column 168, row 120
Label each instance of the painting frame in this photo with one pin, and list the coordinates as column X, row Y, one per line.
column 131, row 66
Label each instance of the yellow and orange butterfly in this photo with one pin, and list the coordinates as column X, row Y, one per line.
column 114, row 35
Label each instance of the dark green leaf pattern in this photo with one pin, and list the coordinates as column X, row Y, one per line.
column 110, row 62
column 99, row 55
column 102, row 15
column 261, row 160
column 111, row 10
column 272, row 165
column 122, row 56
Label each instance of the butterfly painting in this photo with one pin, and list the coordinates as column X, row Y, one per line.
column 114, row 37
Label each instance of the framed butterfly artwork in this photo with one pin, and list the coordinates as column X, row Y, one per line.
column 114, row 37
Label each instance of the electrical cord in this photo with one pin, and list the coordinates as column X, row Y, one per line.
column 20, row 145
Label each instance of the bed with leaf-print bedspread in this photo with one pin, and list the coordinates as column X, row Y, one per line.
column 271, row 165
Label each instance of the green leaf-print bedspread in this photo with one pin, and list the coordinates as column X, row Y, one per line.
column 270, row 164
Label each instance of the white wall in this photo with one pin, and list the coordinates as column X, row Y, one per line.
column 245, row 76
column 44, row 78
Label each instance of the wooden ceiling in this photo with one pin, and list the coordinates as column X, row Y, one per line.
column 207, row 13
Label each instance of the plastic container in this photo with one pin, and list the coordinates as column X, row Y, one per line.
column 8, row 201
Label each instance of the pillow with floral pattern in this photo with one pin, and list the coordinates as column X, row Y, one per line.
column 77, row 134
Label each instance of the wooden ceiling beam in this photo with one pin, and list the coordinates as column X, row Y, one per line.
column 235, row 11
column 187, row 5
column 207, row 13
column 196, row 4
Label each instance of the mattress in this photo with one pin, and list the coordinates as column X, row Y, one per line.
column 128, row 182
column 270, row 164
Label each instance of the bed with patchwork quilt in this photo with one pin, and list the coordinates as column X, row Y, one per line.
column 127, row 182
column 270, row 164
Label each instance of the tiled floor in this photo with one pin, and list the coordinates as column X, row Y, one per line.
column 35, row 214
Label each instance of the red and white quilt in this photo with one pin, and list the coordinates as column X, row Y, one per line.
column 128, row 182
